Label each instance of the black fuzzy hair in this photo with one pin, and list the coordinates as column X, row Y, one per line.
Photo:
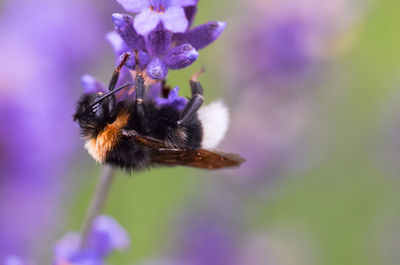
column 93, row 120
column 160, row 123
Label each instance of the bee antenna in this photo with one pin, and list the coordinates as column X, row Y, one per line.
column 112, row 92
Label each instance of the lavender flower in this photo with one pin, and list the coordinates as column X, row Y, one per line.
column 150, row 13
column 156, row 51
column 161, row 47
column 159, row 50
column 106, row 235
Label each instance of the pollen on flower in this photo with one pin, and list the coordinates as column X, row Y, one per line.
column 160, row 9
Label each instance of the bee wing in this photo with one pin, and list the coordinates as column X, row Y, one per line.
column 200, row 158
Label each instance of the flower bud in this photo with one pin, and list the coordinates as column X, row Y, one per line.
column 203, row 35
column 181, row 56
column 144, row 59
column 156, row 69
column 124, row 27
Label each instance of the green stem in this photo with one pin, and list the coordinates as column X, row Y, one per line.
column 98, row 201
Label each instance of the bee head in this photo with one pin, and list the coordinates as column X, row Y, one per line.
column 93, row 111
column 96, row 110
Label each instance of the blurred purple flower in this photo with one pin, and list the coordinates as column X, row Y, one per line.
column 150, row 13
column 42, row 51
column 91, row 85
column 207, row 240
column 286, row 40
column 280, row 47
column 106, row 235
column 278, row 61
column 277, row 48
column 15, row 260
column 208, row 235
column 32, row 157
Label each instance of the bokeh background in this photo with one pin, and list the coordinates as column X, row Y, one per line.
column 313, row 90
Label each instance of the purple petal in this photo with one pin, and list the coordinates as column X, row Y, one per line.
column 134, row 6
column 144, row 59
column 124, row 27
column 91, row 85
column 158, row 41
column 181, row 56
column 117, row 43
column 183, row 2
column 190, row 13
column 146, row 21
column 203, row 35
column 157, row 69
column 173, row 99
column 174, row 19
column 160, row 4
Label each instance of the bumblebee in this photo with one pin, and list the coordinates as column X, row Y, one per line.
column 137, row 134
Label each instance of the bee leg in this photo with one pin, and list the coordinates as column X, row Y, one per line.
column 115, row 76
column 194, row 103
column 140, row 89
